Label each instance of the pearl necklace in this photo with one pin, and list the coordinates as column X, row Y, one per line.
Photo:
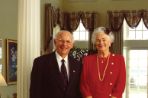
column 102, row 78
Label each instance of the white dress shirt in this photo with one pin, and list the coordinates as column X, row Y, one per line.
column 59, row 58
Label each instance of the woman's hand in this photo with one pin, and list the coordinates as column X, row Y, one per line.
column 89, row 97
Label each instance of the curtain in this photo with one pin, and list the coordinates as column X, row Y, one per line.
column 63, row 18
column 51, row 19
column 69, row 21
column 117, row 45
column 132, row 18
column 115, row 22
column 89, row 20
column 145, row 17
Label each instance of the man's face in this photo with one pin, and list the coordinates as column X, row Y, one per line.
column 63, row 43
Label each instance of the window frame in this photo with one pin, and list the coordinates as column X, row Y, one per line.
column 78, row 30
column 132, row 44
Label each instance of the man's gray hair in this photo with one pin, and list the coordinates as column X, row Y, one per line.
column 72, row 38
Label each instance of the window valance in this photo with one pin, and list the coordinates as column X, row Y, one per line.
column 132, row 18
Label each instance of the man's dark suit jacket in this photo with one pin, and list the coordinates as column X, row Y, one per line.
column 46, row 81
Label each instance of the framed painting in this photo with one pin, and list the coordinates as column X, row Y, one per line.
column 11, row 72
column 1, row 55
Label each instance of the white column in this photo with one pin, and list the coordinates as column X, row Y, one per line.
column 28, row 43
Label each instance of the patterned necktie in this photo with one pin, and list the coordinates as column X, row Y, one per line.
column 64, row 74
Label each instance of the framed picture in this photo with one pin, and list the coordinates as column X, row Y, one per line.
column 1, row 55
column 11, row 72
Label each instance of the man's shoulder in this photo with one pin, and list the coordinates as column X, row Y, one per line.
column 45, row 56
column 71, row 58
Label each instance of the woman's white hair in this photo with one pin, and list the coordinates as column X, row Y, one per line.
column 99, row 30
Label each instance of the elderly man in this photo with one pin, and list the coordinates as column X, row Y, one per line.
column 56, row 75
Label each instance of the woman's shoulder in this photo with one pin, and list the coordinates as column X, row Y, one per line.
column 90, row 56
column 113, row 55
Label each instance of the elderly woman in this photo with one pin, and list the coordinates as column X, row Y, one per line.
column 103, row 74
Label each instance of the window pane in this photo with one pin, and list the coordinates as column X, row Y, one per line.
column 81, row 34
column 139, row 35
column 145, row 34
column 86, row 35
column 131, row 35
column 137, row 72
column 76, row 35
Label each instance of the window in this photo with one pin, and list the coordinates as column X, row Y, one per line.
column 81, row 34
column 138, row 33
column 136, row 57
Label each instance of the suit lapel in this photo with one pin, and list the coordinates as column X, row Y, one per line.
column 72, row 71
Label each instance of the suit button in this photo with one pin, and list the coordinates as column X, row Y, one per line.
column 110, row 95
column 113, row 54
column 111, row 73
column 112, row 63
column 110, row 84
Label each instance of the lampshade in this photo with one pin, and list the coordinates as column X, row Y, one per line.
column 2, row 81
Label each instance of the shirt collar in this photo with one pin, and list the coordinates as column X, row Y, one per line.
column 59, row 58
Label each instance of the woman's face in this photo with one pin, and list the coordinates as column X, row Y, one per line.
column 103, row 42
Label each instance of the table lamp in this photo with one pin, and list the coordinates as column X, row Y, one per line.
column 2, row 82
